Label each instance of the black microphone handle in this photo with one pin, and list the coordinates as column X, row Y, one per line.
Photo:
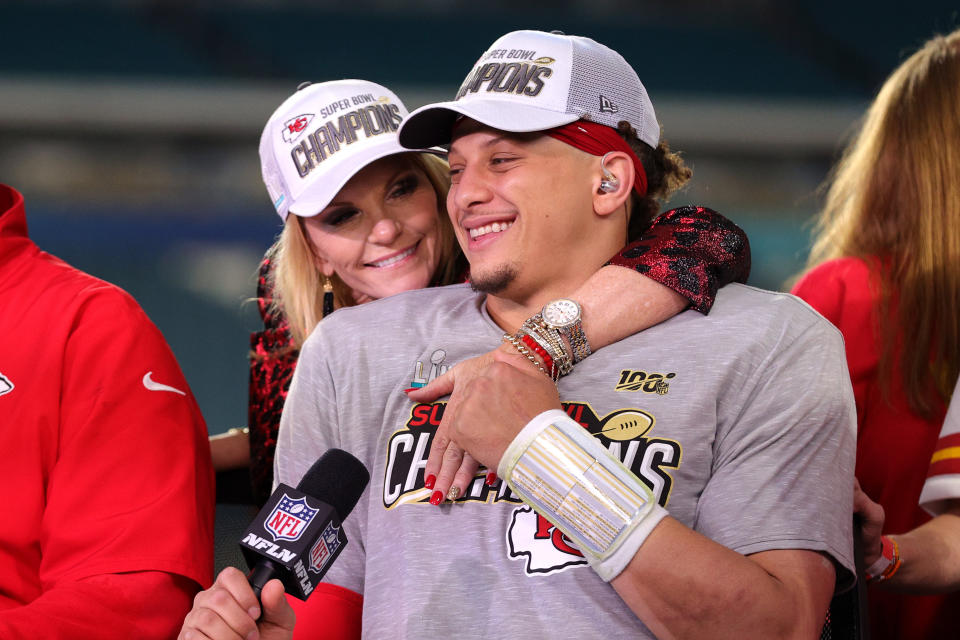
column 261, row 574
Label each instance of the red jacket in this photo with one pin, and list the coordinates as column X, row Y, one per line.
column 107, row 519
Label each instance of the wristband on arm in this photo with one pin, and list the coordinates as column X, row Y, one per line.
column 568, row 477
column 887, row 564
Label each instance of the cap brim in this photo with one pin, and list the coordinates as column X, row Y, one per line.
column 432, row 124
column 318, row 195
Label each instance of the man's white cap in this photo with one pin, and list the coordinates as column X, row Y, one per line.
column 533, row 81
column 321, row 136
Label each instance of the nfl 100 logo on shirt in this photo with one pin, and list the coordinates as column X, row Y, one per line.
column 289, row 519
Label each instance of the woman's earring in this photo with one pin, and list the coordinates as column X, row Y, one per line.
column 327, row 297
column 610, row 182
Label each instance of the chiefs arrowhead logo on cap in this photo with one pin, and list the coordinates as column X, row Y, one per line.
column 294, row 127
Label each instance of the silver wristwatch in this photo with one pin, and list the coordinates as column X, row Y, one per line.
column 564, row 316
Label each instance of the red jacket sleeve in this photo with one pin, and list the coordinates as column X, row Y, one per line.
column 125, row 524
column 845, row 293
column 692, row 250
column 132, row 487
column 142, row 605
column 330, row 611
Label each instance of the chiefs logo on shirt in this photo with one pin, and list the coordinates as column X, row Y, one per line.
column 5, row 385
column 545, row 548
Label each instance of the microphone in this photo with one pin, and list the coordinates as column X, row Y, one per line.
column 297, row 535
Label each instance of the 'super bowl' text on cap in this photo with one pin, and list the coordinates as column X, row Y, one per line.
column 533, row 81
column 321, row 136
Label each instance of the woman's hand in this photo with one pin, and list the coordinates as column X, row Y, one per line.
column 230, row 450
column 229, row 610
column 871, row 523
column 448, row 465
column 496, row 405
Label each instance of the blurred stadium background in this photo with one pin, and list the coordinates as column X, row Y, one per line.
column 131, row 126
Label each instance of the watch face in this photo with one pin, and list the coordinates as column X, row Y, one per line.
column 561, row 313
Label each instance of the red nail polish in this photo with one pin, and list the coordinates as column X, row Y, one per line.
column 410, row 389
column 491, row 479
column 436, row 498
column 428, row 483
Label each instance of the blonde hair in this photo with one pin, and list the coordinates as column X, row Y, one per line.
column 894, row 201
column 298, row 283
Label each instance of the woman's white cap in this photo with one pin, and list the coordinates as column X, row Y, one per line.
column 533, row 81
column 321, row 136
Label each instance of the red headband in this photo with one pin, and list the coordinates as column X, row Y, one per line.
column 598, row 139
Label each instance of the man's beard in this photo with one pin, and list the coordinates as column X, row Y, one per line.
column 494, row 282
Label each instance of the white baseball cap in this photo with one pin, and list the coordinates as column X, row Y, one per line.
column 321, row 136
column 533, row 81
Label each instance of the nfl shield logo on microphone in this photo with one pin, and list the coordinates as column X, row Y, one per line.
column 289, row 519
column 325, row 549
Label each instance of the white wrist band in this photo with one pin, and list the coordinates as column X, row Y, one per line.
column 566, row 475
column 879, row 566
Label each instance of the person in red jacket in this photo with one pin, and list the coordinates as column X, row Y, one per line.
column 107, row 524
column 885, row 269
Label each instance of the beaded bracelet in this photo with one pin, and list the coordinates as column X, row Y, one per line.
column 546, row 336
column 548, row 345
column 529, row 356
column 538, row 349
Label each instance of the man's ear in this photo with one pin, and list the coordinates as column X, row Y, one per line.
column 613, row 182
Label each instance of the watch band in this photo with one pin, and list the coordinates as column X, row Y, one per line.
column 578, row 342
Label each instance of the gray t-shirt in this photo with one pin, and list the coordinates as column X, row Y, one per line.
column 741, row 422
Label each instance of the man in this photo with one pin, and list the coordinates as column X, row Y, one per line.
column 730, row 513
column 108, row 491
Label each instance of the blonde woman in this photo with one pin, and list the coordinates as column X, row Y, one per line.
column 885, row 269
column 365, row 218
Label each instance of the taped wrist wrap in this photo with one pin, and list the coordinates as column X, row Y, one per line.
column 566, row 475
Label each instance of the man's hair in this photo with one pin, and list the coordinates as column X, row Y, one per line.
column 894, row 201
column 666, row 173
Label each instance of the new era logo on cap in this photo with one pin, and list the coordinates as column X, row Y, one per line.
column 606, row 106
column 533, row 81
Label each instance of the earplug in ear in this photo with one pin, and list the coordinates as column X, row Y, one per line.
column 610, row 182
column 609, row 186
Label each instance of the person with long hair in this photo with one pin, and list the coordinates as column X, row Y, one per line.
column 681, row 260
column 885, row 269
